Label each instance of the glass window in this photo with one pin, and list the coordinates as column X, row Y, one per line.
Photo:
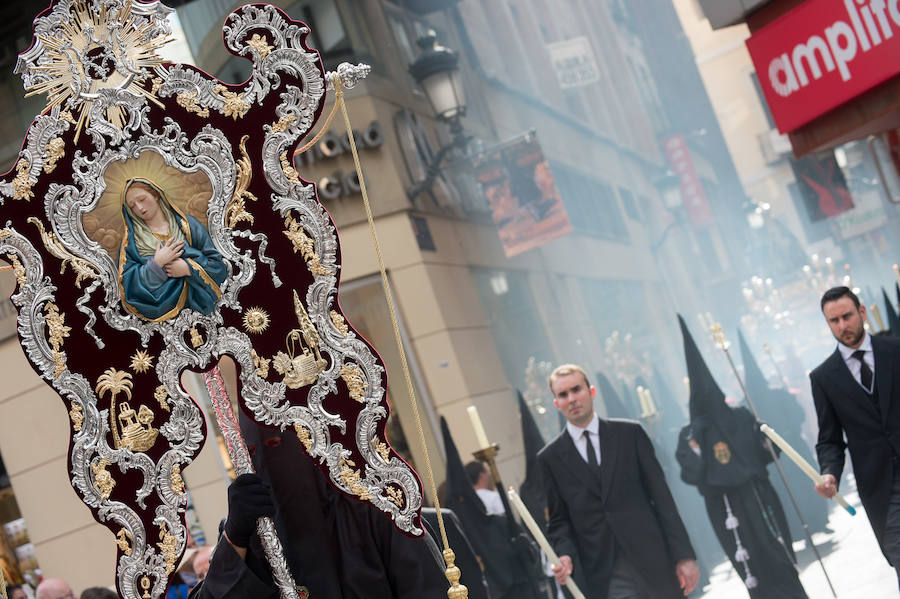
column 591, row 203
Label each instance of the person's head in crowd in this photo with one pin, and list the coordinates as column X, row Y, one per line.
column 201, row 561
column 16, row 591
column 573, row 394
column 478, row 475
column 54, row 588
column 846, row 316
column 98, row 593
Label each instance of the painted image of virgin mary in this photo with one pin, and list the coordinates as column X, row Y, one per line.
column 167, row 260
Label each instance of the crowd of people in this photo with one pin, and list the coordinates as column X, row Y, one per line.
column 190, row 572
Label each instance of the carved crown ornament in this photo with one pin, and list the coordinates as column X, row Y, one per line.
column 155, row 226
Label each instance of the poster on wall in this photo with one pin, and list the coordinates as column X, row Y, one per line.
column 822, row 185
column 525, row 203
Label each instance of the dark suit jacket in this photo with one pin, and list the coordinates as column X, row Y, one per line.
column 873, row 435
column 627, row 508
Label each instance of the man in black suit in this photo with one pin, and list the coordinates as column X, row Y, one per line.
column 612, row 518
column 855, row 396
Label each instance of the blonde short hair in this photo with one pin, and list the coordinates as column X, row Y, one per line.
column 565, row 369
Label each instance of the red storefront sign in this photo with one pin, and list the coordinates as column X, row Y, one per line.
column 680, row 162
column 823, row 53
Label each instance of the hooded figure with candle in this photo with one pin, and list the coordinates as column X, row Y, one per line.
column 723, row 453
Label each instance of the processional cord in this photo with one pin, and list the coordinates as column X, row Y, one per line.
column 457, row 590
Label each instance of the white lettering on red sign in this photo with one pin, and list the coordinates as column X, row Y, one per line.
column 832, row 49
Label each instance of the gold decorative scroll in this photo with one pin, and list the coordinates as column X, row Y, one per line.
column 82, row 268
column 236, row 211
column 56, row 332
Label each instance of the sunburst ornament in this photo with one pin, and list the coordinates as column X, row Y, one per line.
column 256, row 320
column 91, row 47
column 141, row 361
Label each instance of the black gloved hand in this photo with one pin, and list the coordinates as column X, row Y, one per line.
column 249, row 500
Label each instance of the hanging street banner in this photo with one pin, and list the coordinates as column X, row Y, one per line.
column 525, row 204
column 681, row 163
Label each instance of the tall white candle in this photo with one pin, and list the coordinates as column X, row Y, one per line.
column 803, row 464
column 651, row 407
column 642, row 401
column 538, row 535
column 480, row 435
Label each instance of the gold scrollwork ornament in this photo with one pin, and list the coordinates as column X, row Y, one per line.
column 382, row 449
column 352, row 479
column 53, row 151
column 103, row 480
column 168, row 546
column 123, row 540
column 395, row 496
column 261, row 364
column 18, row 269
column 355, row 384
column 304, row 436
column 77, row 416
column 260, row 44
column 57, row 332
column 188, row 101
column 236, row 211
column 339, row 323
column 177, row 480
column 304, row 244
column 22, row 182
column 234, row 106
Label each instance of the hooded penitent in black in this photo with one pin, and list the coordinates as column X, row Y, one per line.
column 721, row 452
column 532, row 489
column 490, row 535
column 780, row 410
column 335, row 545
column 893, row 321
column 615, row 407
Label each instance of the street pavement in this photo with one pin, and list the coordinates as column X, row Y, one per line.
column 855, row 565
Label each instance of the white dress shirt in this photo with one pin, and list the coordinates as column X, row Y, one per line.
column 577, row 434
column 854, row 365
column 493, row 504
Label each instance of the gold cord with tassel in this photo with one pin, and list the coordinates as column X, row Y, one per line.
column 456, row 590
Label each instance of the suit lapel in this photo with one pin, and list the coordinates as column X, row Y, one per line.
column 884, row 379
column 844, row 381
column 609, row 446
column 573, row 462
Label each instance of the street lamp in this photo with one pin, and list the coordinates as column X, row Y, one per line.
column 436, row 71
column 669, row 186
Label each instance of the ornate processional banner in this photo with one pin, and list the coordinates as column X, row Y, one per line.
column 155, row 223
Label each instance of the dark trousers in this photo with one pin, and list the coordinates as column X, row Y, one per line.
column 625, row 582
column 892, row 525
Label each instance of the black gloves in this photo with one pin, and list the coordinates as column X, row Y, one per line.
column 248, row 501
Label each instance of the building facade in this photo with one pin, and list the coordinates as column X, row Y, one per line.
column 476, row 323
